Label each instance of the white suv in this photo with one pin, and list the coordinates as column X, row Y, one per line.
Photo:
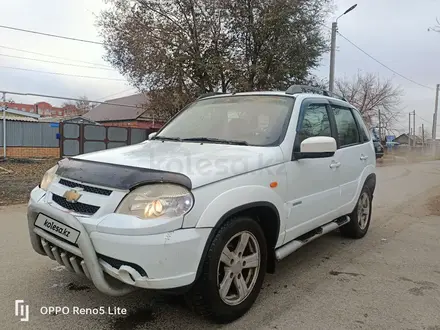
column 229, row 186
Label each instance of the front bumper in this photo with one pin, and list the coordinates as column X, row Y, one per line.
column 170, row 260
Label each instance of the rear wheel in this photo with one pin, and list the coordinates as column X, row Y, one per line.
column 233, row 271
column 360, row 217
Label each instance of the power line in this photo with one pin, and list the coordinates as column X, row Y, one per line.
column 126, row 90
column 71, row 99
column 53, row 62
column 53, row 56
column 61, row 74
column 384, row 65
column 430, row 123
column 50, row 35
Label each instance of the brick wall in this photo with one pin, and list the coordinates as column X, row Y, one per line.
column 32, row 152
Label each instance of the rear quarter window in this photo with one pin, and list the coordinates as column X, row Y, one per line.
column 365, row 134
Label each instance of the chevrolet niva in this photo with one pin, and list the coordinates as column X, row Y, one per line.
column 208, row 204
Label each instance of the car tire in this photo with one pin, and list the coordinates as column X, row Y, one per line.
column 360, row 217
column 225, row 290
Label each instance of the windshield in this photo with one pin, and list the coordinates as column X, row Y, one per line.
column 255, row 120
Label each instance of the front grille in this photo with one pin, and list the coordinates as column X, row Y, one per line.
column 90, row 189
column 77, row 207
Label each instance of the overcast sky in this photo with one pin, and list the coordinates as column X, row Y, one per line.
column 393, row 31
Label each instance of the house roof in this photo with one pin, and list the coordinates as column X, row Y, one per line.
column 64, row 119
column 411, row 137
column 19, row 113
column 107, row 112
column 21, row 118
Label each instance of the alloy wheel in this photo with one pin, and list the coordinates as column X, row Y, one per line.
column 363, row 210
column 238, row 268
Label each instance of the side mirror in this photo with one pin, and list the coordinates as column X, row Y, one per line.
column 151, row 135
column 317, row 147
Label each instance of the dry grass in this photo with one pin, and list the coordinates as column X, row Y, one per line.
column 433, row 205
column 18, row 177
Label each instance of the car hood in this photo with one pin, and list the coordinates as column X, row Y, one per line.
column 203, row 163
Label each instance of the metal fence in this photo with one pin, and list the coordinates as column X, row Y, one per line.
column 72, row 139
column 28, row 134
column 78, row 139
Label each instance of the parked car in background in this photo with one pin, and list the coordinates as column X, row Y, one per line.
column 378, row 147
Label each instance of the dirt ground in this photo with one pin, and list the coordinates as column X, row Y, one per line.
column 19, row 176
column 389, row 280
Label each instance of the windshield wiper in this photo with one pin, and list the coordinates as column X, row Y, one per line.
column 214, row 140
column 166, row 138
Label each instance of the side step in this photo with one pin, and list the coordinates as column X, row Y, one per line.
column 294, row 245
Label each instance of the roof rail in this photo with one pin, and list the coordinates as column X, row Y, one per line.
column 209, row 94
column 298, row 89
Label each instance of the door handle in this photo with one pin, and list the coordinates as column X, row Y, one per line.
column 363, row 157
column 335, row 164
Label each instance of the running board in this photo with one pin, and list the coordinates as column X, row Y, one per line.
column 294, row 245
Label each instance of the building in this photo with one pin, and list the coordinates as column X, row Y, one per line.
column 129, row 111
column 44, row 109
column 17, row 115
column 403, row 139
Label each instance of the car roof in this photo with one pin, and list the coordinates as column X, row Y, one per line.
column 299, row 96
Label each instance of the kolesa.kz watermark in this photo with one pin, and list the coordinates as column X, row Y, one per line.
column 22, row 310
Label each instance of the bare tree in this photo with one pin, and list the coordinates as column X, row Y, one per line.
column 436, row 27
column 179, row 49
column 369, row 94
column 83, row 105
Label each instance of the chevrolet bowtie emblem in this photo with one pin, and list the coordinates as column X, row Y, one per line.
column 72, row 195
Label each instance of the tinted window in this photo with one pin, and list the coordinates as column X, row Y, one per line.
column 258, row 120
column 314, row 123
column 365, row 135
column 347, row 130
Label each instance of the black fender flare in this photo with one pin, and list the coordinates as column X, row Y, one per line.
column 224, row 218
column 370, row 182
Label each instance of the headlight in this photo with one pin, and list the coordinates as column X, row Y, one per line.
column 157, row 201
column 48, row 178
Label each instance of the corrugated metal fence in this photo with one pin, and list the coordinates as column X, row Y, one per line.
column 72, row 139
column 25, row 134
column 82, row 138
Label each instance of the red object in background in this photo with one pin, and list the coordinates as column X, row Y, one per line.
column 45, row 109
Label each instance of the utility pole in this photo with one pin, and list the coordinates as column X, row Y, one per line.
column 332, row 57
column 414, row 129
column 409, row 131
column 4, row 125
column 380, row 130
column 434, row 122
column 333, row 50
column 423, row 136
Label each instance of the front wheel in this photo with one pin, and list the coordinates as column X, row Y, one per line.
column 360, row 217
column 233, row 271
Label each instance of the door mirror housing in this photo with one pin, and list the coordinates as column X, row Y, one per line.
column 152, row 135
column 317, row 147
